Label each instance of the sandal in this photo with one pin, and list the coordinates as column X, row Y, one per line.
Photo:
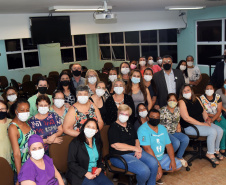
column 183, row 162
column 219, row 156
column 214, row 160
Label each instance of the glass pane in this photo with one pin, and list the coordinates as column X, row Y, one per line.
column 67, row 55
column 105, row 53
column 14, row 61
column 150, row 51
column 12, row 45
column 118, row 53
column 209, row 30
column 169, row 35
column 149, row 36
column 79, row 40
column 28, row 45
column 66, row 42
column 207, row 51
column 132, row 37
column 31, row 59
column 104, row 38
column 80, row 54
column 169, row 50
column 117, row 38
column 132, row 53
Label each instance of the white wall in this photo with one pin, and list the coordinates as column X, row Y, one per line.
column 17, row 25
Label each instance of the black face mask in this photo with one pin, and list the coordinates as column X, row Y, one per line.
column 42, row 90
column 76, row 73
column 166, row 66
column 154, row 122
column 3, row 115
column 65, row 83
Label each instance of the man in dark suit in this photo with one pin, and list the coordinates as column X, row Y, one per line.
column 167, row 80
column 219, row 74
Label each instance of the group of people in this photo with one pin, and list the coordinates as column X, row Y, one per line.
column 145, row 103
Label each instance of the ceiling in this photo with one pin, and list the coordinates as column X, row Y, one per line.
column 41, row 6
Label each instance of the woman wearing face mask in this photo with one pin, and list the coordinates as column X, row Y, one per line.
column 123, row 141
column 170, row 118
column 59, row 104
column 124, row 71
column 113, row 75
column 159, row 61
column 133, row 64
column 46, row 124
column 183, row 67
column 19, row 132
column 39, row 168
column 222, row 93
column 142, row 64
column 150, row 64
column 142, row 113
column 193, row 112
column 42, row 87
column 82, row 110
column 65, row 84
column 85, row 157
column 119, row 98
column 137, row 90
column 5, row 149
column 11, row 95
column 213, row 104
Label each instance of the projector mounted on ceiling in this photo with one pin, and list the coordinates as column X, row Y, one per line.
column 105, row 14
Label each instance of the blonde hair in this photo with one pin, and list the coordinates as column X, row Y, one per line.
column 119, row 80
column 125, row 107
column 87, row 73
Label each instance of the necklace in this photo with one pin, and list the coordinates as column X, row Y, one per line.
column 119, row 103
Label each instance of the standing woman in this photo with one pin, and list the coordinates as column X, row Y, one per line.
column 142, row 113
column 150, row 64
column 142, row 65
column 133, row 64
column 19, row 132
column 113, row 75
column 65, row 84
column 183, row 67
column 11, row 95
column 85, row 157
column 124, row 71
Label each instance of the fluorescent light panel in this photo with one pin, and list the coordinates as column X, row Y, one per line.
column 77, row 8
column 184, row 7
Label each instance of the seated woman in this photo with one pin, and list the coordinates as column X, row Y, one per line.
column 19, row 132
column 222, row 93
column 59, row 106
column 124, row 71
column 80, row 112
column 113, row 75
column 183, row 67
column 98, row 99
column 5, row 149
column 193, row 112
column 213, row 104
column 46, row 124
column 66, row 86
column 142, row 113
column 123, row 141
column 150, row 64
column 39, row 168
column 133, row 64
column 11, row 95
column 85, row 157
column 119, row 98
column 170, row 118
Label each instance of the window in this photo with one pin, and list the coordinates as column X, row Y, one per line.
column 210, row 41
column 21, row 53
column 74, row 50
column 126, row 46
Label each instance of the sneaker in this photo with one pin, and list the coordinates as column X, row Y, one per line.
column 159, row 181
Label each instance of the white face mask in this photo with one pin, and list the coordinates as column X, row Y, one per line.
column 125, row 71
column 12, row 98
column 89, row 132
column 190, row 64
column 23, row 116
column 150, row 62
column 182, row 67
column 159, row 62
column 147, row 78
column 83, row 99
column 142, row 63
column 143, row 114
column 59, row 103
column 118, row 90
column 209, row 92
column 92, row 80
column 187, row 95
column 112, row 78
column 123, row 118
column 100, row 92
column 43, row 110
column 38, row 154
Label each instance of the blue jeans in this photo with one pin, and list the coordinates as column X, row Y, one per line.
column 213, row 133
column 99, row 180
column 165, row 163
column 145, row 168
column 180, row 142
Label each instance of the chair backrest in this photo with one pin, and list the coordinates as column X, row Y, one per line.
column 59, row 153
column 29, row 88
column 200, row 88
column 15, row 84
column 52, row 85
column 3, row 82
column 26, row 78
column 55, row 73
column 104, row 137
column 6, row 172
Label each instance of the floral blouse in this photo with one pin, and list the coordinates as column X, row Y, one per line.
column 170, row 120
column 211, row 106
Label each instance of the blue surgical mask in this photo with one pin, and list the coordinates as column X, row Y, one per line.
column 225, row 86
column 135, row 80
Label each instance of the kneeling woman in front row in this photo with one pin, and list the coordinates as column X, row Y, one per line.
column 84, row 157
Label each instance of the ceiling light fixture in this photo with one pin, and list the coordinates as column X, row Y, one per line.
column 184, row 7
column 78, row 8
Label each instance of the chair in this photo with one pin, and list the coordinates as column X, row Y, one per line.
column 15, row 84
column 107, row 67
column 6, row 172
column 3, row 83
column 26, row 78
column 53, row 73
column 35, row 77
column 52, row 85
column 200, row 88
column 107, row 156
column 29, row 89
